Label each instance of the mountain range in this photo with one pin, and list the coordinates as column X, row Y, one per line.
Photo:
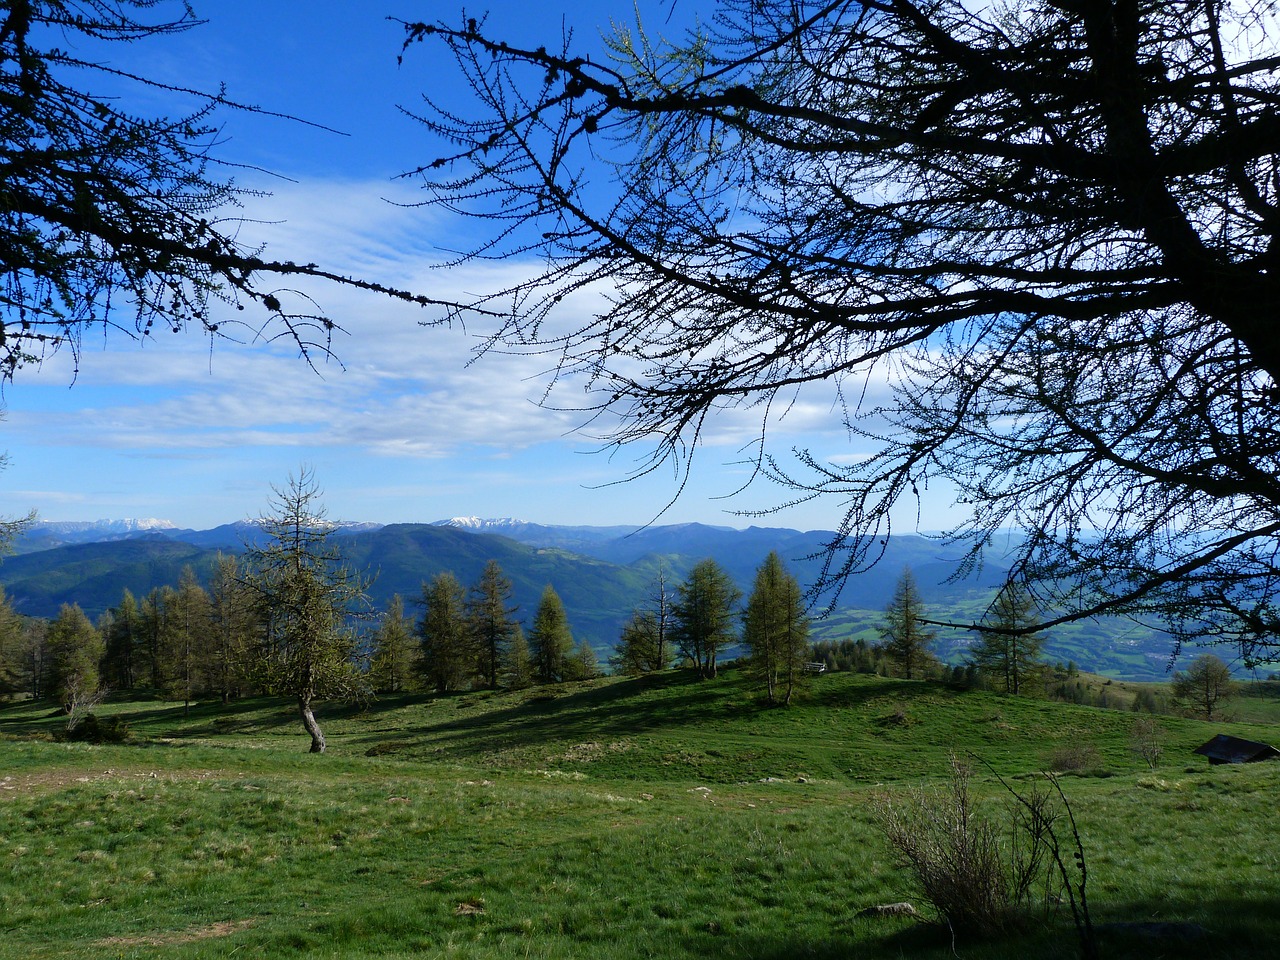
column 601, row 573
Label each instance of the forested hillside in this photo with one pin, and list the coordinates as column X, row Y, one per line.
column 607, row 573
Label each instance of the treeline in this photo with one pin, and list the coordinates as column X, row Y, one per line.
column 196, row 641
column 200, row 641
column 193, row 641
column 1007, row 657
column 469, row 638
column 697, row 620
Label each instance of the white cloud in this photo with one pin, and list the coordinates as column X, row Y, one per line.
column 207, row 421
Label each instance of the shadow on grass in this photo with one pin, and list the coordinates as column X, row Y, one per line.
column 1220, row 925
column 159, row 718
column 674, row 701
column 823, row 693
column 1224, row 928
column 560, row 713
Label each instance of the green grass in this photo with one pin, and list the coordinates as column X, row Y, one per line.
column 618, row 819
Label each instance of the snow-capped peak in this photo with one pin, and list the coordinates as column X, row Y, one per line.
column 137, row 523
column 478, row 523
column 127, row 525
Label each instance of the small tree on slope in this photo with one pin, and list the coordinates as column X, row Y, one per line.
column 776, row 630
column 307, row 595
column 906, row 639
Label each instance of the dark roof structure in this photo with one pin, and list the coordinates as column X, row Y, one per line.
column 1228, row 749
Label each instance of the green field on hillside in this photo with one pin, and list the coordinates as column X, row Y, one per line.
column 658, row 817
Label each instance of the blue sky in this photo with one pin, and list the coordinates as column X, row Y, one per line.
column 405, row 429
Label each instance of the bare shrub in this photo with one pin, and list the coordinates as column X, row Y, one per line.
column 980, row 885
column 81, row 699
column 95, row 729
column 1075, row 758
column 1146, row 739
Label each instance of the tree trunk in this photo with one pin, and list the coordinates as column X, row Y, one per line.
column 313, row 728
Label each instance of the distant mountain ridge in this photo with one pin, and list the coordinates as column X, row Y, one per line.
column 568, row 557
column 601, row 574
column 50, row 534
column 126, row 525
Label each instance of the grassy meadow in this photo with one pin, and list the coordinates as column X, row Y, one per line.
column 660, row 817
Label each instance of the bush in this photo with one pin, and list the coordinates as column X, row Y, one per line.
column 1075, row 758
column 980, row 886
column 1146, row 739
column 94, row 729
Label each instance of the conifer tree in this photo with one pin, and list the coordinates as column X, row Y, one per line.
column 518, row 665
column 582, row 664
column 393, row 664
column 233, row 630
column 189, row 620
column 307, row 594
column 114, row 216
column 550, row 640
column 37, row 631
column 645, row 643
column 1049, row 228
column 905, row 639
column 1008, row 660
column 1204, row 685
column 448, row 648
column 73, row 650
column 490, row 621
column 120, row 665
column 776, row 630
column 661, row 606
column 155, row 631
column 703, row 615
column 14, row 654
column 638, row 645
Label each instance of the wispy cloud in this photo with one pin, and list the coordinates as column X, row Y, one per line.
column 214, row 423
column 395, row 388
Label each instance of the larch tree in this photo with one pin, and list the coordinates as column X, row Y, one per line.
column 118, row 220
column 704, row 613
column 1007, row 650
column 1203, row 686
column 489, row 617
column 638, row 645
column 190, row 621
column 234, row 629
column 393, row 663
column 73, row 652
column 448, row 646
column 155, row 631
column 14, row 654
column 644, row 644
column 37, row 631
column 307, row 595
column 905, row 638
column 1032, row 245
column 550, row 640
column 121, row 663
column 517, row 673
column 775, row 629
column 582, row 664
